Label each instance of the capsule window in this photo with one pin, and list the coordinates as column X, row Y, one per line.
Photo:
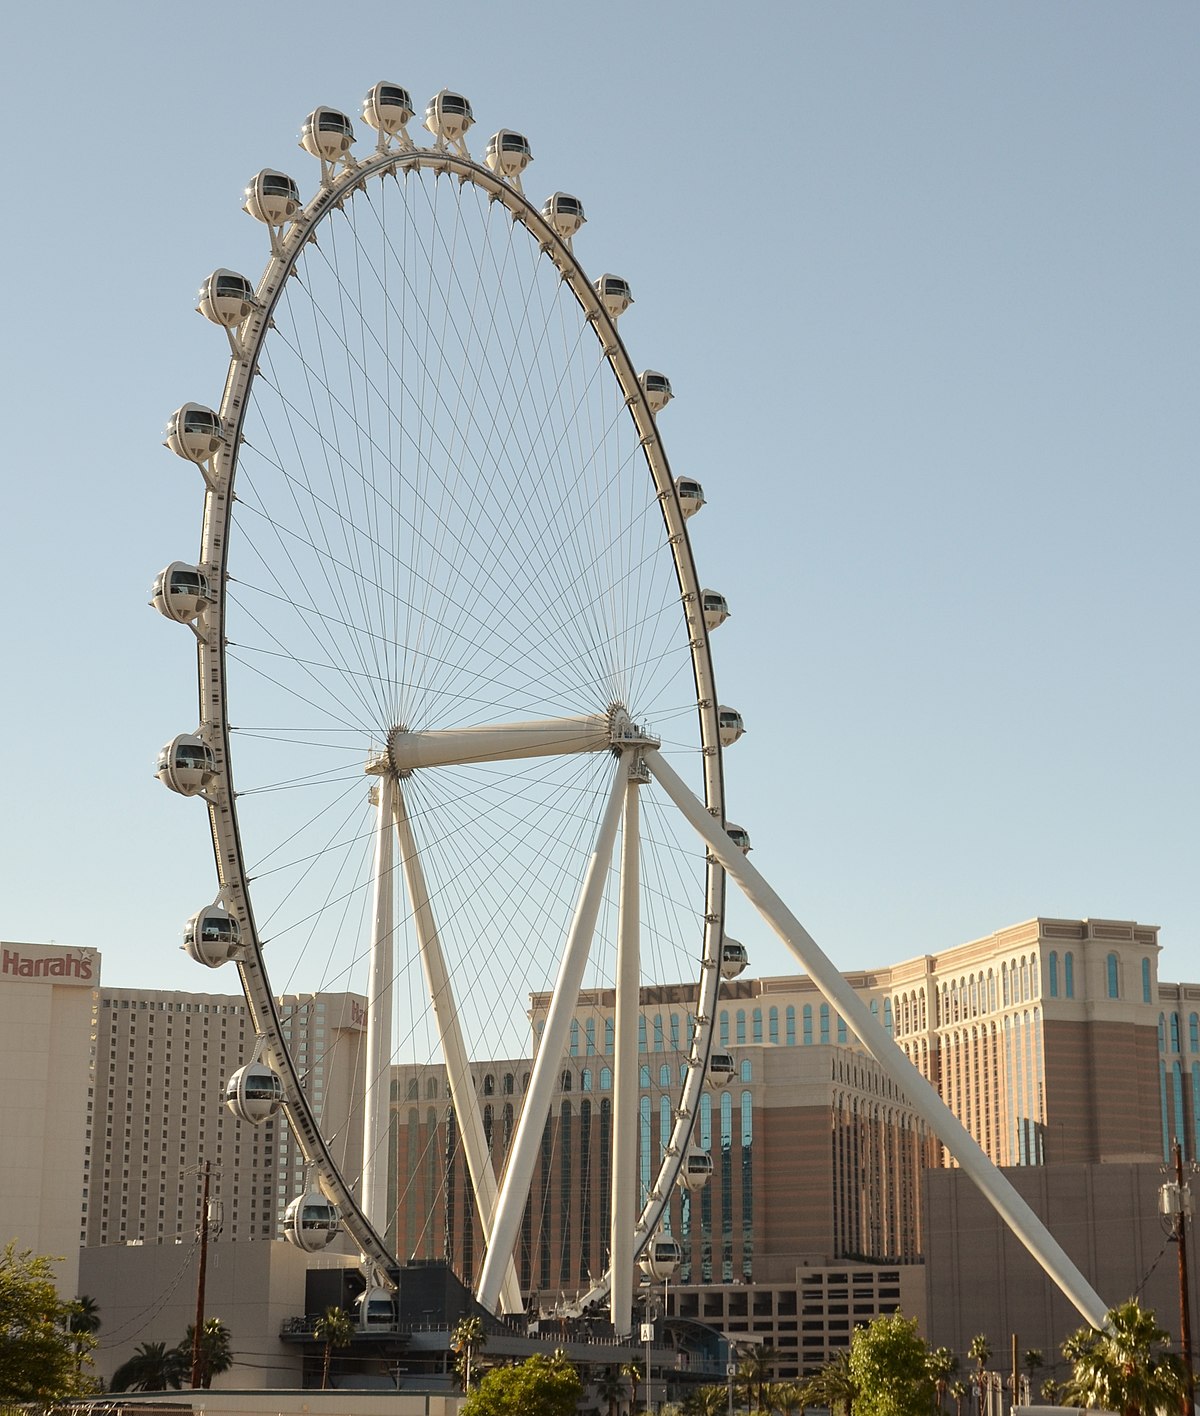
column 279, row 187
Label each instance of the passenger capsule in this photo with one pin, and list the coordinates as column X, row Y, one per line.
column 615, row 295
column 729, row 726
column 254, row 1093
column 387, row 108
column 721, row 1069
column 734, row 958
column 180, row 592
column 212, row 937
column 657, row 388
column 226, row 298
column 327, row 134
column 376, row 1311
column 739, row 836
column 715, row 608
column 447, row 117
column 194, row 432
column 696, row 1170
column 311, row 1222
column 564, row 214
column 186, row 765
column 508, row 154
column 272, row 197
column 660, row 1258
column 691, row 495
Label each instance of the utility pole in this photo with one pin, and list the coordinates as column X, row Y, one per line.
column 1016, row 1374
column 1175, row 1203
column 198, row 1330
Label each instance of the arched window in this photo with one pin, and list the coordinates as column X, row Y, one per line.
column 610, row 1034
column 740, row 1026
column 1146, row 981
column 756, row 1025
column 489, row 1084
column 585, row 1080
column 807, row 1023
column 1069, row 974
column 641, row 1032
column 659, row 1043
column 431, row 1089
column 566, row 1081
column 506, row 1084
column 606, row 1079
column 1024, row 980
column 1194, row 1038
column 789, row 1026
column 488, row 1122
column 574, row 1049
column 589, row 1032
column 643, row 1075
column 724, row 1027
column 773, row 1025
column 706, row 1121
column 887, row 1016
column 824, row 1022
column 1004, row 984
column 1175, row 1032
column 674, row 1032
column 1162, row 1032
column 1052, row 970
column 1112, row 968
column 841, row 1031
column 747, row 1070
column 664, row 1076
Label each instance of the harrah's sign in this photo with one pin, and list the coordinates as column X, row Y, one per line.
column 64, row 965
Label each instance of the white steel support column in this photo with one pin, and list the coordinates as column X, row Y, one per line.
column 624, row 1208
column 919, row 1094
column 454, row 1052
column 544, row 1078
column 379, row 1019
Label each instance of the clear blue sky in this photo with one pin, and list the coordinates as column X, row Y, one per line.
column 924, row 277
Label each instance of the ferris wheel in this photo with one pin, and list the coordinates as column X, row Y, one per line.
column 449, row 629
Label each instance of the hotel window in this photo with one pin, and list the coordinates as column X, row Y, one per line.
column 808, row 1023
column 790, row 1027
column 1052, row 970
column 1069, row 974
column 1146, row 981
column 1112, row 970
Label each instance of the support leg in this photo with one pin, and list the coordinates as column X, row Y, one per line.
column 544, row 1078
column 920, row 1095
column 379, row 1020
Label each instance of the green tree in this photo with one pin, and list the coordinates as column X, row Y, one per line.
column 833, row 1386
column 785, row 1398
column 41, row 1359
column 216, row 1356
column 753, row 1374
column 468, row 1338
column 83, row 1322
column 958, row 1390
column 1124, row 1366
column 889, row 1364
column 980, row 1352
column 1050, row 1391
column 334, row 1328
column 706, row 1401
column 153, row 1367
column 633, row 1373
column 942, row 1366
column 610, row 1388
column 540, row 1386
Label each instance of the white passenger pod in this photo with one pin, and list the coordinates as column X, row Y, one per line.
column 212, row 937
column 274, row 199
column 388, row 109
column 739, row 836
column 254, row 1093
column 186, row 765
column 734, row 958
column 696, row 1170
column 376, row 1311
column 657, row 388
column 615, row 295
column 660, row 1258
column 563, row 213
column 181, row 592
column 690, row 494
column 715, row 608
column 226, row 298
column 721, row 1069
column 447, row 117
column 310, row 1221
column 194, row 433
column 730, row 726
column 329, row 135
column 508, row 155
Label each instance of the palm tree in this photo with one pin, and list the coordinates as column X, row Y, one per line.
column 216, row 1356
column 942, row 1366
column 754, row 1372
column 832, row 1386
column 706, row 1401
column 1124, row 1366
column 153, row 1367
column 1034, row 1360
column 633, row 1372
column 786, row 1398
column 1050, row 1391
column 610, row 1388
column 958, row 1389
column 335, row 1329
column 469, row 1336
column 83, row 1322
column 980, row 1352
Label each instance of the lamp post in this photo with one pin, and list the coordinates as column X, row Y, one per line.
column 1175, row 1204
